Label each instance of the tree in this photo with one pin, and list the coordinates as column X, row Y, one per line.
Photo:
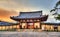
column 58, row 17
column 57, row 4
column 56, row 9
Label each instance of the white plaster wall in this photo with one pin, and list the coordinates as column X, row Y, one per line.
column 37, row 24
column 23, row 24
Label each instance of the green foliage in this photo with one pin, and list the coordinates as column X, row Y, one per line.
column 58, row 17
column 56, row 9
column 57, row 4
column 52, row 10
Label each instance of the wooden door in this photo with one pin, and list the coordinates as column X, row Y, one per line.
column 30, row 25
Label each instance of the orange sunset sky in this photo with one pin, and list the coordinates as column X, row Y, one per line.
column 13, row 7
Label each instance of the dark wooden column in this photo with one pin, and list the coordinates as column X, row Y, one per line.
column 50, row 27
column 20, row 24
column 1, row 27
column 32, row 20
column 5, row 27
column 9, row 27
column 27, row 25
column 16, row 27
column 33, row 25
column 40, row 25
column 12, row 27
column 45, row 27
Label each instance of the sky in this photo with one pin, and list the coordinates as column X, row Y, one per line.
column 13, row 7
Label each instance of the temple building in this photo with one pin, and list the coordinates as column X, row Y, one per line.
column 6, row 26
column 30, row 20
column 50, row 26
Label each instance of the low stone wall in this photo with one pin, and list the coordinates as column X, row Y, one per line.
column 29, row 34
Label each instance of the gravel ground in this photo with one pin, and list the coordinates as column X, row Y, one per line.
column 29, row 34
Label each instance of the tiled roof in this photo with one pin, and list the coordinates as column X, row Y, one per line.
column 35, row 14
column 51, row 23
column 30, row 15
column 2, row 23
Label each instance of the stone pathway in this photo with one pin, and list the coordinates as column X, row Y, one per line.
column 29, row 34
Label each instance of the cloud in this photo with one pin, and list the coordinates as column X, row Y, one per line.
column 5, row 14
column 9, row 7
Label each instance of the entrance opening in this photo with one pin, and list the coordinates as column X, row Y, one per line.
column 55, row 28
column 30, row 26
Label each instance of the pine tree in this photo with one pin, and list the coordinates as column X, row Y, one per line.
column 56, row 9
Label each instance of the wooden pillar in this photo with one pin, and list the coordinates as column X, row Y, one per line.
column 57, row 29
column 16, row 27
column 33, row 25
column 12, row 27
column 40, row 23
column 5, row 27
column 9, row 27
column 45, row 26
column 50, row 27
column 1, row 27
column 19, row 25
column 27, row 25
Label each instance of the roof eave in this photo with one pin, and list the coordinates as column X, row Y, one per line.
column 42, row 18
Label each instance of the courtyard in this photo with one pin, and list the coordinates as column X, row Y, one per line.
column 29, row 34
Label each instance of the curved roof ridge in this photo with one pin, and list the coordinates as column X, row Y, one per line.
column 34, row 11
column 30, row 12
